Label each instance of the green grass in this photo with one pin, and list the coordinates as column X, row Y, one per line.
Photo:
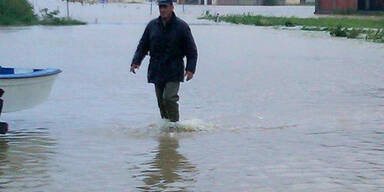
column 313, row 22
column 369, row 28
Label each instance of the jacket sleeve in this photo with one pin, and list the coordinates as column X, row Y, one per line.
column 142, row 48
column 190, row 51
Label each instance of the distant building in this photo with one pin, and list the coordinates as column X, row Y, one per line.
column 335, row 6
column 239, row 2
column 109, row 1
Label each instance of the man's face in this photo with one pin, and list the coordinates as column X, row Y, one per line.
column 166, row 11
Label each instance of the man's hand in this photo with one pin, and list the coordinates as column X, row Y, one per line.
column 133, row 67
column 189, row 75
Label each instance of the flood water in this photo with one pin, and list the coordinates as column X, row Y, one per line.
column 268, row 110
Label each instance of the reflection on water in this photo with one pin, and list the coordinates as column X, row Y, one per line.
column 169, row 170
column 25, row 159
column 12, row 29
column 377, row 93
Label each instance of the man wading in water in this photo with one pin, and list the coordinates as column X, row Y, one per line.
column 168, row 39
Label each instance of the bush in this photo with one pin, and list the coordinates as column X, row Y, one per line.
column 20, row 12
column 376, row 36
column 339, row 31
column 16, row 11
column 50, row 18
column 289, row 24
column 270, row 2
column 353, row 34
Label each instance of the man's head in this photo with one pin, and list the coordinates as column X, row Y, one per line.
column 166, row 9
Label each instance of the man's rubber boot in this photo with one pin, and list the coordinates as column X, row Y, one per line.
column 3, row 127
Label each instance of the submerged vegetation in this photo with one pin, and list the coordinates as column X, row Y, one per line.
column 20, row 12
column 364, row 28
column 51, row 18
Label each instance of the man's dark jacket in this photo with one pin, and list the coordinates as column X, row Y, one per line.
column 167, row 46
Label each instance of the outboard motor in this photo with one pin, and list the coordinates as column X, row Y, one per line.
column 3, row 125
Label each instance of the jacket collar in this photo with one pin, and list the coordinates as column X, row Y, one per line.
column 171, row 21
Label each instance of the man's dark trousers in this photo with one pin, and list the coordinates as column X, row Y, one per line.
column 167, row 98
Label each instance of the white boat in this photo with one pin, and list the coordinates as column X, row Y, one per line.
column 25, row 88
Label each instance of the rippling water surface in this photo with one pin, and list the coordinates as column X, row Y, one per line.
column 268, row 110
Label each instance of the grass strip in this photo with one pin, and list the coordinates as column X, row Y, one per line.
column 364, row 28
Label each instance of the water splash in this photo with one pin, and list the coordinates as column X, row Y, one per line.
column 191, row 125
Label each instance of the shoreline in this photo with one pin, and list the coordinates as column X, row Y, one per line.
column 350, row 27
column 6, row 22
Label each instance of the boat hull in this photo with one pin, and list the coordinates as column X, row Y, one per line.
column 25, row 92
